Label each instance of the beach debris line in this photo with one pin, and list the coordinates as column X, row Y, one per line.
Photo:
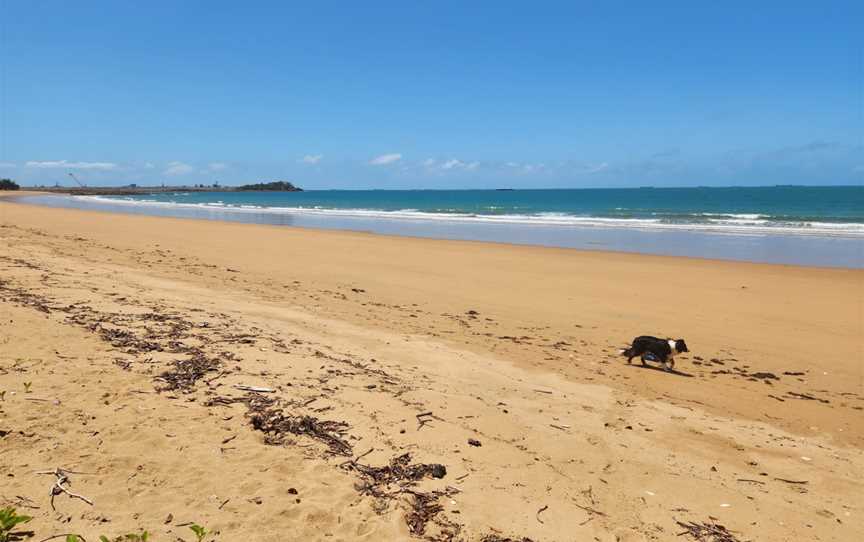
column 159, row 330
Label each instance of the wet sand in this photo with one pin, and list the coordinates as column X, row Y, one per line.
column 135, row 333
column 818, row 248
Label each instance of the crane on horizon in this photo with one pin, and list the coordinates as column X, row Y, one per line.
column 74, row 178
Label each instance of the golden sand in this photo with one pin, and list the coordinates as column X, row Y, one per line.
column 514, row 347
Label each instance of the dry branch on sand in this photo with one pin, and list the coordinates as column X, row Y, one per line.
column 61, row 480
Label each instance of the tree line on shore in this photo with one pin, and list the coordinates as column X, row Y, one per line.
column 8, row 184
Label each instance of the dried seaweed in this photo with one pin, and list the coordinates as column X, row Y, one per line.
column 403, row 474
column 707, row 532
column 276, row 424
column 186, row 372
column 424, row 508
column 400, row 471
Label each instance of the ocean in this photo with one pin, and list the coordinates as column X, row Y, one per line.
column 770, row 223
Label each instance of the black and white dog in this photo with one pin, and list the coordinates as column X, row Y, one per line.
column 662, row 350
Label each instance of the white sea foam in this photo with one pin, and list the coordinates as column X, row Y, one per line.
column 733, row 223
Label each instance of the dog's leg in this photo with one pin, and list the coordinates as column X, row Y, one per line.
column 668, row 363
column 642, row 357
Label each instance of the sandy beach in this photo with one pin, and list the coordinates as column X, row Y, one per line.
column 274, row 383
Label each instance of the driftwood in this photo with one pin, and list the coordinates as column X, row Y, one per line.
column 61, row 479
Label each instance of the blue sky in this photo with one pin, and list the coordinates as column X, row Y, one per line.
column 432, row 94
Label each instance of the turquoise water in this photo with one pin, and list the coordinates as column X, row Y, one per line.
column 787, row 225
column 814, row 210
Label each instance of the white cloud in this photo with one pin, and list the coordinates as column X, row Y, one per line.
column 531, row 168
column 178, row 168
column 429, row 162
column 598, row 168
column 311, row 159
column 65, row 164
column 217, row 166
column 149, row 165
column 385, row 159
column 450, row 164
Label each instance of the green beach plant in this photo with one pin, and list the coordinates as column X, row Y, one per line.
column 9, row 519
column 200, row 532
column 143, row 536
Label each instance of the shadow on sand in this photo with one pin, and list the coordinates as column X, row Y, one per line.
column 675, row 372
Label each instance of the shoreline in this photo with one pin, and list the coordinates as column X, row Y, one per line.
column 784, row 248
column 514, row 347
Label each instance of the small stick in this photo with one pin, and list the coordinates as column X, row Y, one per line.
column 590, row 510
column 792, row 481
column 751, row 481
column 364, row 454
column 254, row 388
column 61, row 477
column 358, row 458
column 421, row 418
column 224, row 503
column 544, row 391
column 217, row 377
column 537, row 515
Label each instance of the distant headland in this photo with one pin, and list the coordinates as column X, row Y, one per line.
column 133, row 189
column 275, row 186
